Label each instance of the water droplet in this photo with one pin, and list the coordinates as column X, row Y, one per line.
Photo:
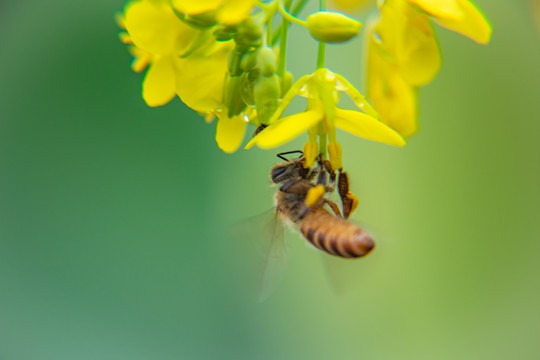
column 377, row 37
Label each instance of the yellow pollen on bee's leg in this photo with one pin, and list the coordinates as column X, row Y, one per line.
column 314, row 195
column 353, row 202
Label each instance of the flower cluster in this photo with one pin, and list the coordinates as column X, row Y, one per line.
column 227, row 59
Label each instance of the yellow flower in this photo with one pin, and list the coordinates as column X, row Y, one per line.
column 460, row 16
column 159, row 36
column 323, row 116
column 182, row 60
column 230, row 131
column 228, row 12
column 200, row 77
column 394, row 98
column 403, row 53
column 351, row 4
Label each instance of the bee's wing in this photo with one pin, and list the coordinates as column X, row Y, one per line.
column 262, row 241
column 274, row 256
column 342, row 275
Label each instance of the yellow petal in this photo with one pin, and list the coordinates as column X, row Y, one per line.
column 393, row 97
column 230, row 132
column 159, row 84
column 365, row 126
column 446, row 9
column 473, row 24
column 141, row 58
column 194, row 7
column 418, row 55
column 350, row 4
column 154, row 27
column 285, row 129
column 234, row 11
column 200, row 79
column 408, row 40
column 125, row 38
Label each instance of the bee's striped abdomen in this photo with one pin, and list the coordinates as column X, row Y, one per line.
column 335, row 235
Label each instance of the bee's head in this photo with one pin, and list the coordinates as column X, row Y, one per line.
column 289, row 170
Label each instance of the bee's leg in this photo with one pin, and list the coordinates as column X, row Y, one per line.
column 333, row 206
column 321, row 179
column 348, row 199
column 331, row 173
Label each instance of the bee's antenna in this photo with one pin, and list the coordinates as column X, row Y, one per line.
column 280, row 155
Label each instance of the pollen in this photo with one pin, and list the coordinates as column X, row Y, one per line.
column 314, row 195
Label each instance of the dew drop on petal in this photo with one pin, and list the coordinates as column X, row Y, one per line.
column 377, row 37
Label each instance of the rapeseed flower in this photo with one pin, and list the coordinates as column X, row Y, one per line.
column 403, row 52
column 323, row 116
column 181, row 60
column 227, row 59
column 351, row 4
column 227, row 12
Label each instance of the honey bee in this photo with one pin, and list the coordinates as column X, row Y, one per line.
column 331, row 233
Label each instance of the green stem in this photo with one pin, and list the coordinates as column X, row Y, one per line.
column 295, row 11
column 321, row 54
column 269, row 30
column 282, row 60
column 291, row 18
column 322, row 141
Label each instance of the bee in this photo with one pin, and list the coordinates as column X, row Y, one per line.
column 329, row 232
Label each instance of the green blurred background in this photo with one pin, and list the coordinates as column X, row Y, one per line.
column 113, row 214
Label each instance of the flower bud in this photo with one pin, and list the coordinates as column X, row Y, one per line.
column 201, row 21
column 332, row 27
column 286, row 83
column 234, row 104
column 250, row 32
column 249, row 61
column 247, row 89
column 266, row 94
column 266, row 61
column 222, row 35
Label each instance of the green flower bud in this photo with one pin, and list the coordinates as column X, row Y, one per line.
column 247, row 89
column 266, row 61
column 235, row 58
column 234, row 104
column 249, row 61
column 201, row 21
column 266, row 93
column 332, row 27
column 286, row 83
column 222, row 35
column 250, row 32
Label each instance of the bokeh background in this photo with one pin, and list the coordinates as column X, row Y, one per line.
column 114, row 216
